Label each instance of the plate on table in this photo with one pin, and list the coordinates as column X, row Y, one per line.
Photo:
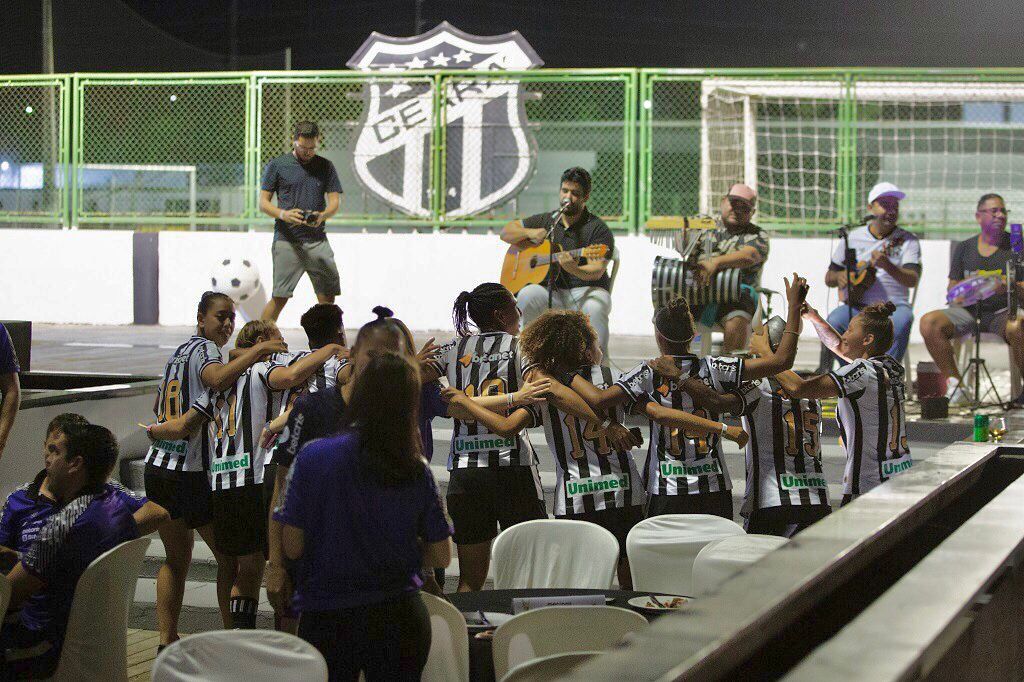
column 475, row 623
column 669, row 603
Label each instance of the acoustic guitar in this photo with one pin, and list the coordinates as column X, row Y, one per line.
column 863, row 273
column 531, row 265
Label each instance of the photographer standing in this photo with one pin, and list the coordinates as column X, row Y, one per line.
column 308, row 193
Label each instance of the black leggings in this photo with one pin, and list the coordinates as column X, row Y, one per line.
column 386, row 641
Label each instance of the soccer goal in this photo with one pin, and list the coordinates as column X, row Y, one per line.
column 813, row 148
column 110, row 189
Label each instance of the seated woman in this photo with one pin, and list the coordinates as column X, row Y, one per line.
column 362, row 516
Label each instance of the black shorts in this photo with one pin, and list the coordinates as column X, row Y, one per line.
column 785, row 521
column 240, row 520
column 482, row 499
column 619, row 521
column 184, row 494
column 717, row 504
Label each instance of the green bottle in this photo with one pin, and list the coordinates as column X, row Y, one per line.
column 980, row 428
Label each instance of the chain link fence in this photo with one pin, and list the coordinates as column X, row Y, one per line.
column 33, row 149
column 508, row 140
column 161, row 150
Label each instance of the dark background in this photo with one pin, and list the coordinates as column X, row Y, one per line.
column 165, row 35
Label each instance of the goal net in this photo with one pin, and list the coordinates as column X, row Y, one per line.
column 813, row 149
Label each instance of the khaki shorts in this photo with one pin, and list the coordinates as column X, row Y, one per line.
column 293, row 259
column 963, row 320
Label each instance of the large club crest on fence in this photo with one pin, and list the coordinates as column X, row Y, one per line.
column 490, row 154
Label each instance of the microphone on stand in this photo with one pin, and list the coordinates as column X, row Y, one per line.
column 561, row 209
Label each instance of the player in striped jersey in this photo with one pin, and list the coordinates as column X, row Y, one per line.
column 240, row 507
column 324, row 326
column 175, row 470
column 494, row 480
column 685, row 470
column 871, row 394
column 786, row 488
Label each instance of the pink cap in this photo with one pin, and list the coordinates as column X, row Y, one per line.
column 741, row 191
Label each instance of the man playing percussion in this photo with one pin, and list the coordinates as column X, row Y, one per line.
column 889, row 258
column 740, row 244
column 981, row 256
column 580, row 284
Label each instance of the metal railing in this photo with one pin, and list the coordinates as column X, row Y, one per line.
column 186, row 151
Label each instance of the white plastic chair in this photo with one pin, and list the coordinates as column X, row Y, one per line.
column 449, row 642
column 548, row 668
column 558, row 630
column 963, row 350
column 96, row 643
column 239, row 656
column 662, row 549
column 722, row 559
column 554, row 553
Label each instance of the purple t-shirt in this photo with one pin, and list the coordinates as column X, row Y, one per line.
column 74, row 536
column 8, row 360
column 431, row 406
column 361, row 538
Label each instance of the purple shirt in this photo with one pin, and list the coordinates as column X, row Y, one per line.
column 74, row 536
column 431, row 405
column 361, row 538
column 8, row 360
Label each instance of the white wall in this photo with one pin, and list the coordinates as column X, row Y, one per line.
column 82, row 277
column 85, row 276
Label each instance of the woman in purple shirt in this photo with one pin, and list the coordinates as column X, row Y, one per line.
column 362, row 516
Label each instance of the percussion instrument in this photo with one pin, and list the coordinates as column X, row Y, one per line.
column 974, row 290
column 672, row 278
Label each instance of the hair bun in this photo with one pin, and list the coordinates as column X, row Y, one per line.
column 888, row 308
column 382, row 313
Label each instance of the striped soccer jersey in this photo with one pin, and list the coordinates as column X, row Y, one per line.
column 182, row 386
column 679, row 463
column 245, row 409
column 872, row 422
column 591, row 476
column 783, row 454
column 325, row 376
column 484, row 364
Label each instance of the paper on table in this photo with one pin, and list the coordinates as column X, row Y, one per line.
column 521, row 604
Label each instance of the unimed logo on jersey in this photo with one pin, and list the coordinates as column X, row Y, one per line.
column 482, row 443
column 709, row 466
column 178, row 446
column 597, row 484
column 230, row 463
column 895, row 466
column 801, row 482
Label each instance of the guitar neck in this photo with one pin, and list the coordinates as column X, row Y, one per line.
column 545, row 260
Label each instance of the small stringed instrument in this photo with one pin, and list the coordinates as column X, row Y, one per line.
column 863, row 273
column 531, row 265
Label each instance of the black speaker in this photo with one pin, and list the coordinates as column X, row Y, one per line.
column 21, row 337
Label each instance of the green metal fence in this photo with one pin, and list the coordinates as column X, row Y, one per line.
column 186, row 151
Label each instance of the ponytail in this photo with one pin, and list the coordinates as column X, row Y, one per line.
column 480, row 306
column 386, row 323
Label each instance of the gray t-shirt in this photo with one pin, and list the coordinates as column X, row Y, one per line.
column 301, row 186
column 965, row 262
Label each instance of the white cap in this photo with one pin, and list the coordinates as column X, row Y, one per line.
column 884, row 189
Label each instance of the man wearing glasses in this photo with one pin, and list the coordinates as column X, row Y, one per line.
column 893, row 255
column 736, row 244
column 983, row 255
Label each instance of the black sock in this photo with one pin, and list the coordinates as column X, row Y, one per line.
column 243, row 613
column 161, row 647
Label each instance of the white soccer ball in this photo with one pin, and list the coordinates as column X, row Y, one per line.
column 236, row 277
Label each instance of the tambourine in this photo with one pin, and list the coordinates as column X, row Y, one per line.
column 974, row 290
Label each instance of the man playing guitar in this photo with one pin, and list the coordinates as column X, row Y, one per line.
column 984, row 255
column 580, row 284
column 888, row 254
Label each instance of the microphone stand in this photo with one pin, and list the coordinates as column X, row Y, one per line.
column 554, row 274
column 848, row 256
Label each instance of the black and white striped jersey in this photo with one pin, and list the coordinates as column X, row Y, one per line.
column 591, row 476
column 680, row 463
column 484, row 364
column 872, row 422
column 244, row 410
column 182, row 385
column 783, row 454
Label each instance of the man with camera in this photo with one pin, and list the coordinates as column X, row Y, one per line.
column 308, row 193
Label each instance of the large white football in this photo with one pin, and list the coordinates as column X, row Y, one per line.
column 236, row 277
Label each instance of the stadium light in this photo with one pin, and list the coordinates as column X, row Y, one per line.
column 29, row 109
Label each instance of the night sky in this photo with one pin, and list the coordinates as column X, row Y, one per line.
column 157, row 35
